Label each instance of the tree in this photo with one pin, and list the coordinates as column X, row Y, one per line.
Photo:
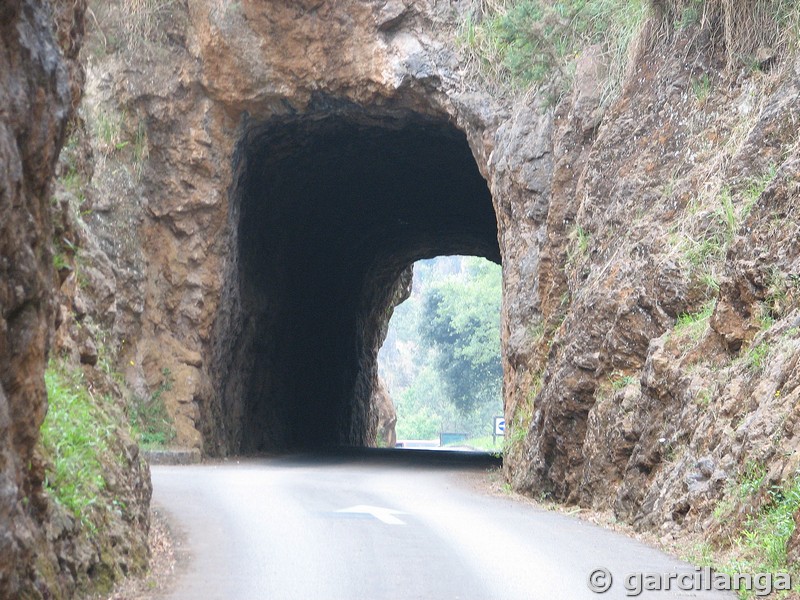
column 462, row 326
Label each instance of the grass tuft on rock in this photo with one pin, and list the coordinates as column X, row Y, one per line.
column 150, row 420
column 521, row 44
column 748, row 28
column 75, row 433
column 760, row 543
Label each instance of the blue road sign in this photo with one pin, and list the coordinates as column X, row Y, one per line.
column 499, row 426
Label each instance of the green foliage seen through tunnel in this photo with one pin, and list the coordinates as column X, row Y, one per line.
column 441, row 359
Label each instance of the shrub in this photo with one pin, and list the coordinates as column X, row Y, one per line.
column 760, row 544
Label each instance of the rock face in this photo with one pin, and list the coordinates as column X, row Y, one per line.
column 387, row 415
column 301, row 155
column 37, row 95
column 670, row 257
column 44, row 551
column 266, row 172
column 335, row 207
column 260, row 267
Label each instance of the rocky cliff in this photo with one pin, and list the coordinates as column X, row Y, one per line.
column 671, row 261
column 264, row 174
column 38, row 88
column 48, row 548
column 647, row 233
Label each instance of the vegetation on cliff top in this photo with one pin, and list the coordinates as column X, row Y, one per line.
column 519, row 44
column 524, row 43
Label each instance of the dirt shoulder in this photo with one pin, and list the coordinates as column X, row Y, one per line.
column 165, row 548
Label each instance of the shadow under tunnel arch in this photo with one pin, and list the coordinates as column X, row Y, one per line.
column 328, row 213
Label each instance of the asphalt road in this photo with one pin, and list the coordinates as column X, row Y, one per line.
column 387, row 525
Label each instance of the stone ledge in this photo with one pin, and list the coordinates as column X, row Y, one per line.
column 172, row 456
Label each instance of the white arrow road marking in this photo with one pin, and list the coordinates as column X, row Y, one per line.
column 386, row 515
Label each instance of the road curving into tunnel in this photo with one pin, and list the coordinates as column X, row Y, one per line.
column 387, row 525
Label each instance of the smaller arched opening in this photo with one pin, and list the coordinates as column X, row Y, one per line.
column 440, row 362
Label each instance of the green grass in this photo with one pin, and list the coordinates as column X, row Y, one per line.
column 579, row 248
column 710, row 282
column 517, row 427
column 689, row 15
column 525, row 43
column 108, row 130
column 149, row 419
column 741, row 489
column 694, row 325
column 484, row 443
column 782, row 291
column 704, row 252
column 765, row 316
column 582, row 238
column 72, row 181
column 756, row 356
column 760, row 544
column 75, row 433
column 59, row 261
column 751, row 480
column 756, row 185
column 767, row 533
column 729, row 213
column 703, row 398
column 536, row 331
column 140, row 144
column 701, row 87
column 620, row 381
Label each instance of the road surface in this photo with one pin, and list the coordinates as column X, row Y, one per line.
column 393, row 525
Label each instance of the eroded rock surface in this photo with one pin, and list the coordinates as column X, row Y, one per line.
column 606, row 216
column 45, row 552
column 676, row 205
column 37, row 95
column 265, row 173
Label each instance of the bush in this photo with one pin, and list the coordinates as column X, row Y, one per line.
column 760, row 544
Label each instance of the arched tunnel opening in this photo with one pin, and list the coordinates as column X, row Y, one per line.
column 329, row 212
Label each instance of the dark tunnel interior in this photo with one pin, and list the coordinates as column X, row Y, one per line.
column 329, row 213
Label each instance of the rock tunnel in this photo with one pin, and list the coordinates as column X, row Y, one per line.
column 329, row 211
